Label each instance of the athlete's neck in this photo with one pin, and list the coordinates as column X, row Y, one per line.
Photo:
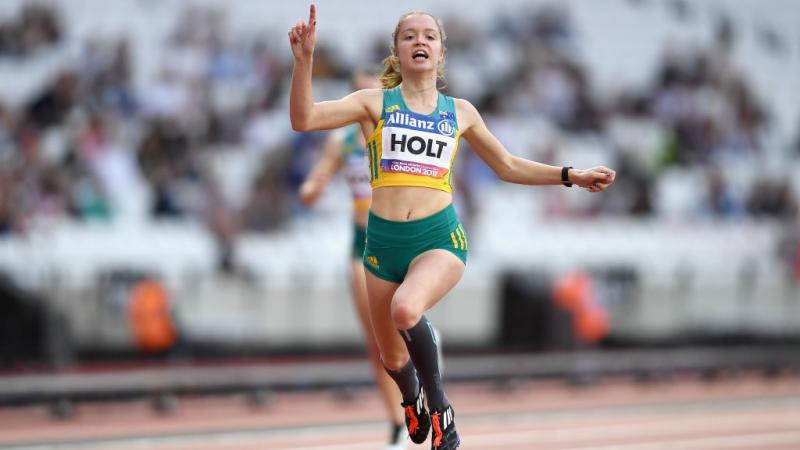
column 422, row 92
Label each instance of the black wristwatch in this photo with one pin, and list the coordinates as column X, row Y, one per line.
column 565, row 176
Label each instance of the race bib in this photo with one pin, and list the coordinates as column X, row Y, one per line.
column 356, row 173
column 417, row 145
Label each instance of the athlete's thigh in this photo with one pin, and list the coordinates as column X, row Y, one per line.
column 380, row 293
column 430, row 276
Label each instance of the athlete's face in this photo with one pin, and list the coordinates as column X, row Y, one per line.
column 419, row 44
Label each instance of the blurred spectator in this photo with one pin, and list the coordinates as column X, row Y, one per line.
column 788, row 251
column 725, row 33
column 105, row 75
column 269, row 205
column 772, row 198
column 167, row 97
column 8, row 215
column 52, row 106
column 721, row 201
column 36, row 28
column 110, row 160
column 164, row 159
column 633, row 190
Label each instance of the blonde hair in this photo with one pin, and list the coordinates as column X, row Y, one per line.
column 391, row 76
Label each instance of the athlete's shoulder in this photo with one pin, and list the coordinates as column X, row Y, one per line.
column 467, row 113
column 462, row 103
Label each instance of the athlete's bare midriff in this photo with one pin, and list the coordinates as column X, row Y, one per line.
column 404, row 203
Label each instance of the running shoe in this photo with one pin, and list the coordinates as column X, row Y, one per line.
column 418, row 421
column 444, row 435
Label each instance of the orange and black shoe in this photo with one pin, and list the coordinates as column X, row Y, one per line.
column 444, row 435
column 418, row 421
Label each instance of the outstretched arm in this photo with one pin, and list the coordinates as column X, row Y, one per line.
column 514, row 169
column 326, row 167
column 306, row 115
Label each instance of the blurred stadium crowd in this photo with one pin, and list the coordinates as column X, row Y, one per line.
column 94, row 145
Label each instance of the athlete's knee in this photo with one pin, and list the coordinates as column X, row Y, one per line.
column 394, row 362
column 405, row 313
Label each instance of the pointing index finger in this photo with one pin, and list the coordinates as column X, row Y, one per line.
column 312, row 16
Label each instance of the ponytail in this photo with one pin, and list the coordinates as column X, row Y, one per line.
column 391, row 77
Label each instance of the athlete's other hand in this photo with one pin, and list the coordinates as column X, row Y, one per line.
column 596, row 179
column 310, row 191
column 303, row 36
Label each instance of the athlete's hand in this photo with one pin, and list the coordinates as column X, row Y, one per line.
column 310, row 191
column 595, row 179
column 303, row 36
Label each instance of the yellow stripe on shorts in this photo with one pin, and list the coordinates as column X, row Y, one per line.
column 464, row 233
column 460, row 239
column 453, row 237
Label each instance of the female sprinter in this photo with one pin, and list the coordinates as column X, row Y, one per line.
column 416, row 247
column 345, row 151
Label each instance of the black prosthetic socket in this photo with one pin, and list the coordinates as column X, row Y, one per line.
column 406, row 379
column 424, row 350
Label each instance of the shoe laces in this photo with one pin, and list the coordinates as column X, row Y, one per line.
column 413, row 424
column 437, row 435
column 440, row 422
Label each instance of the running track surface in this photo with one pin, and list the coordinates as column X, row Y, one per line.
column 746, row 412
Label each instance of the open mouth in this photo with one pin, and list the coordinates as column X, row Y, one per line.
column 419, row 55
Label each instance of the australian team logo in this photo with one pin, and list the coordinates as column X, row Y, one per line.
column 447, row 115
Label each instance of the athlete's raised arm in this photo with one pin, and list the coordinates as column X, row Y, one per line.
column 306, row 115
column 514, row 169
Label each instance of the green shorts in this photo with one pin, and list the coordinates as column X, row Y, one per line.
column 391, row 246
column 359, row 241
